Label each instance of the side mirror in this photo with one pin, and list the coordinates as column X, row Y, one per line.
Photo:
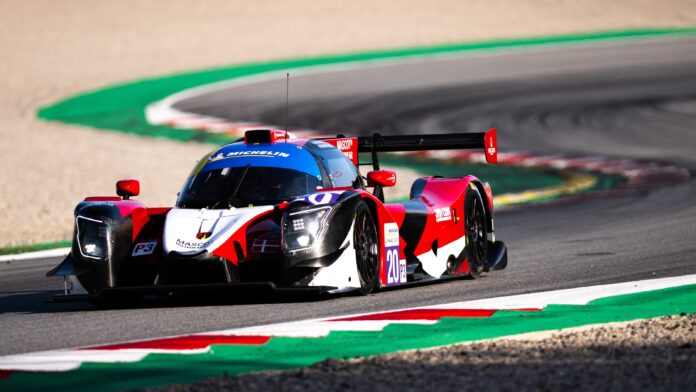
column 383, row 178
column 128, row 188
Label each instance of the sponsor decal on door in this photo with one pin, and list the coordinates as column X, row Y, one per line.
column 396, row 267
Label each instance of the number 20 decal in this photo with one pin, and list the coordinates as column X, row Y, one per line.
column 396, row 269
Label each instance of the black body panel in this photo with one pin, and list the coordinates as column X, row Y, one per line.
column 97, row 274
column 412, row 228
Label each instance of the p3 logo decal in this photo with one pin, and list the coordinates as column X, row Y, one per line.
column 144, row 248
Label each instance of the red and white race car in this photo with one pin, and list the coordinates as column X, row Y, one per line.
column 280, row 213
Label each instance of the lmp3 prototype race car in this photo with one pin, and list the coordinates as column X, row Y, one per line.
column 275, row 212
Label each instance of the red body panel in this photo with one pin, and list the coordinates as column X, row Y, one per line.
column 384, row 178
column 445, row 200
column 228, row 250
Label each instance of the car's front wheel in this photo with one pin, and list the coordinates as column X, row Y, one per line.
column 366, row 245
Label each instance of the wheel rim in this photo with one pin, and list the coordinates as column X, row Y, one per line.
column 365, row 246
column 476, row 234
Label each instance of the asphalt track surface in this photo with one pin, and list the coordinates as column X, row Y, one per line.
column 630, row 99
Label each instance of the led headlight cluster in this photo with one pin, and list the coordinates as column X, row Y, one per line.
column 92, row 238
column 302, row 228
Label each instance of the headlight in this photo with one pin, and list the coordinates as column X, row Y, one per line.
column 92, row 238
column 302, row 228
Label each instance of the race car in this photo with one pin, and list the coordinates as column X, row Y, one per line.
column 271, row 211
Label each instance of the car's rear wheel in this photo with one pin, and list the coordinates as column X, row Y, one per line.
column 366, row 245
column 476, row 231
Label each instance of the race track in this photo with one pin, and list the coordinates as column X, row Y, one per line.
column 631, row 99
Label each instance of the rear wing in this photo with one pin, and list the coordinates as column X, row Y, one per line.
column 487, row 141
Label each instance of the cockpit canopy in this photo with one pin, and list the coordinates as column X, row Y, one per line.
column 243, row 174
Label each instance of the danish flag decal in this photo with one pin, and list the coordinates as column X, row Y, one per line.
column 490, row 142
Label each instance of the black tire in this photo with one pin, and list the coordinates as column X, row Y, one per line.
column 366, row 246
column 475, row 224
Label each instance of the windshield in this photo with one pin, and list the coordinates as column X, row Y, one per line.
column 242, row 186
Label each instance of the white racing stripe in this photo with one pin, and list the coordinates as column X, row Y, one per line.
column 69, row 359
